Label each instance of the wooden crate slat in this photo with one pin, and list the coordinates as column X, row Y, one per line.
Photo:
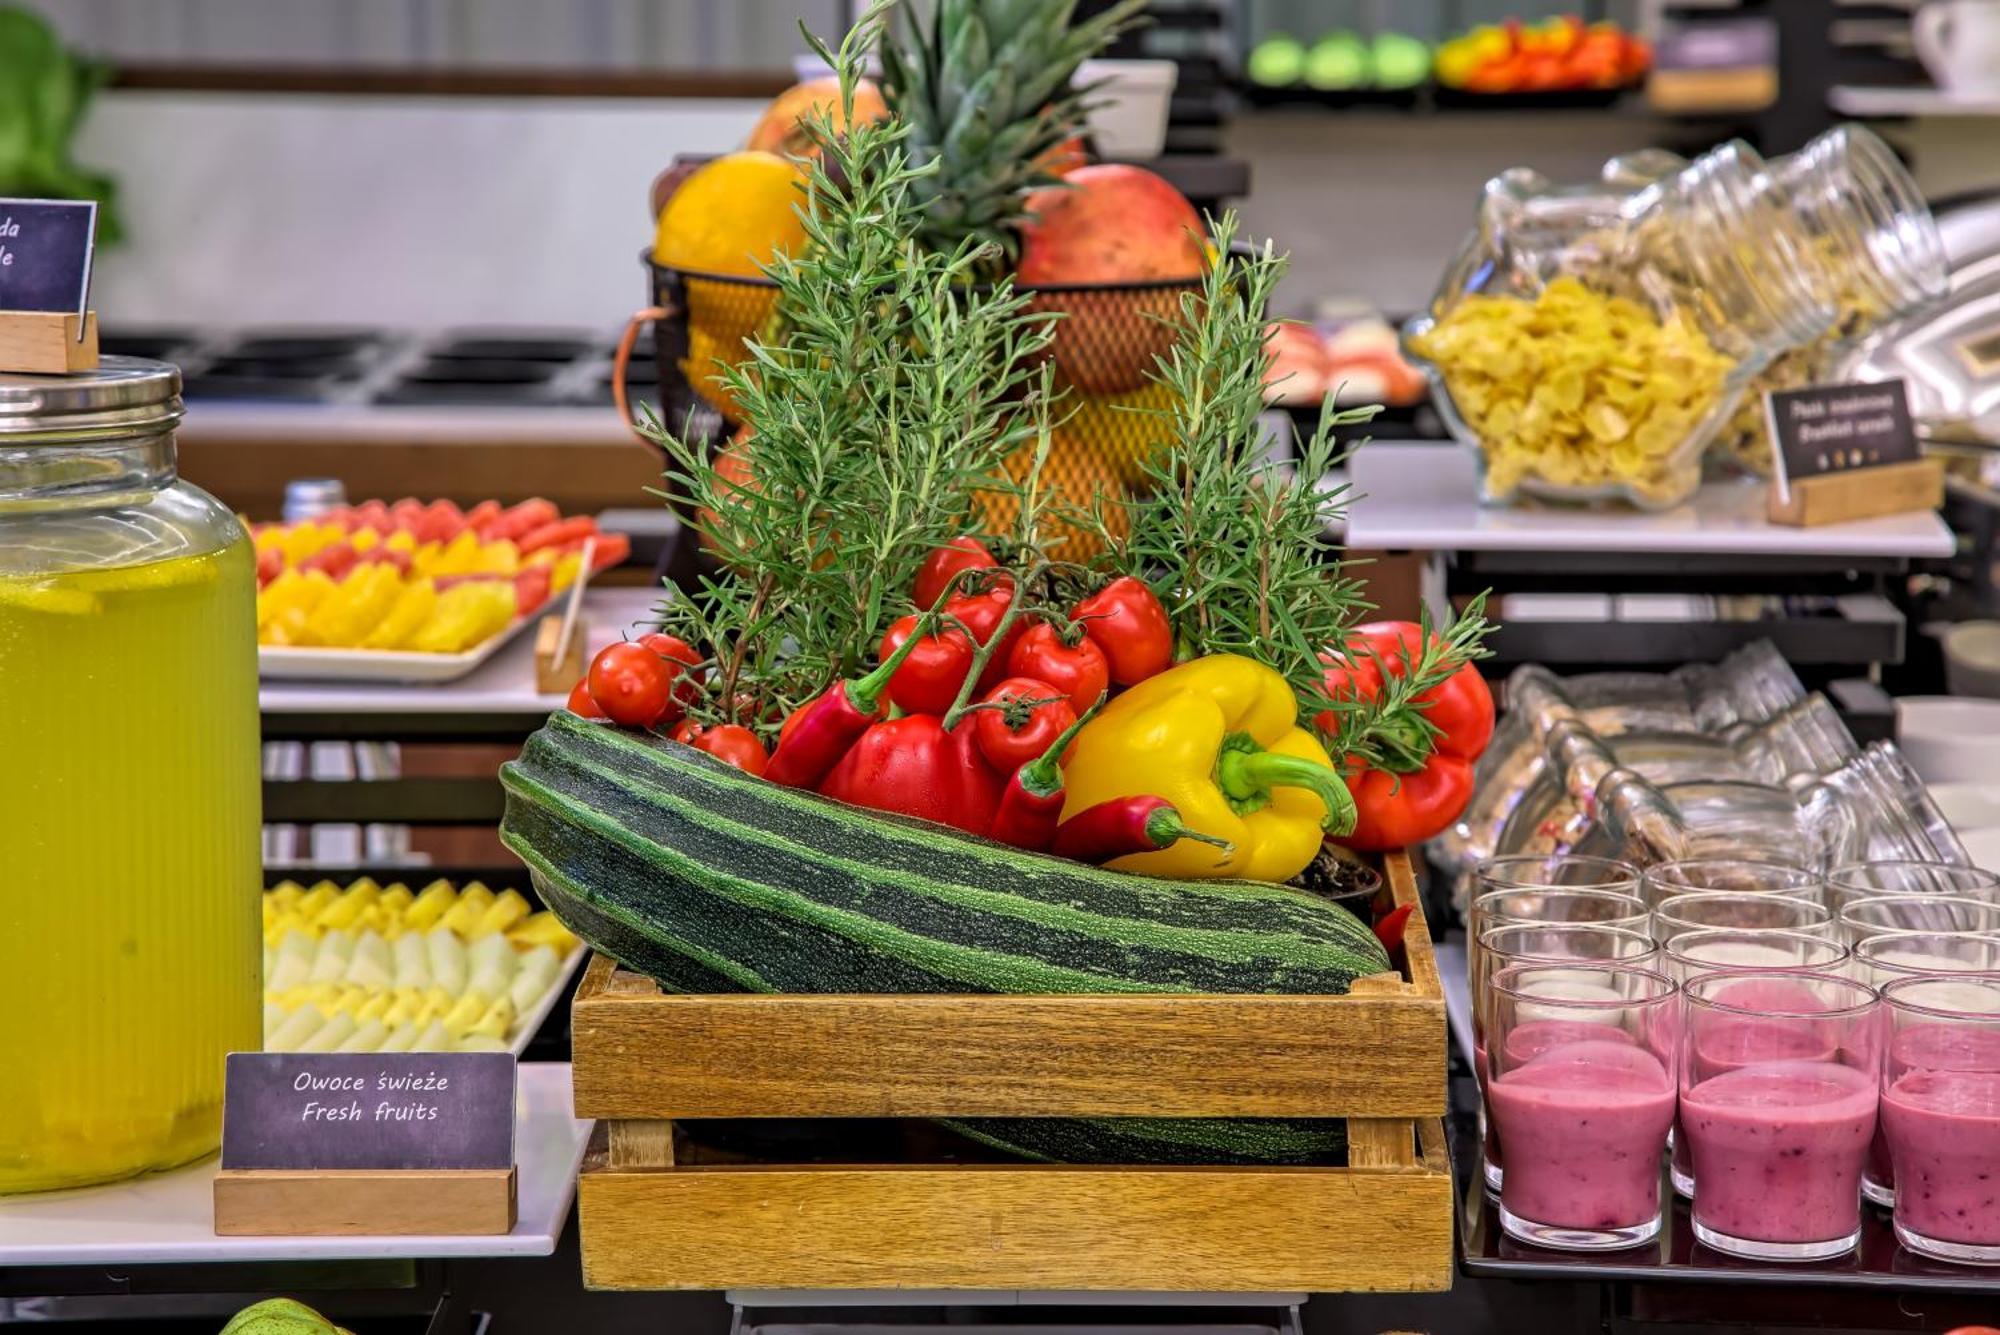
column 1378, row 1052
column 1005, row 1227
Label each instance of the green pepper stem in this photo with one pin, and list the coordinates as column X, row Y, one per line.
column 1249, row 776
column 1042, row 776
column 983, row 653
column 1164, row 827
column 865, row 692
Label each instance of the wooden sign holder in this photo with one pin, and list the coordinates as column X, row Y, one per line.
column 47, row 343
column 1861, row 493
column 417, row 1202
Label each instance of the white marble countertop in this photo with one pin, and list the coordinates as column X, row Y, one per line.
column 170, row 1217
column 1425, row 497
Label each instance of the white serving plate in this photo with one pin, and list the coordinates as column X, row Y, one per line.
column 526, row 1026
column 282, row 663
column 1983, row 847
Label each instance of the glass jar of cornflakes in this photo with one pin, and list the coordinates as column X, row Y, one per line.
column 1592, row 340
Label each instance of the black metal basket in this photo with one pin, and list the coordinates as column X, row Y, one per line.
column 1103, row 346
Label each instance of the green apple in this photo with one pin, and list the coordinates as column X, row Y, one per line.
column 1400, row 60
column 1337, row 63
column 1279, row 61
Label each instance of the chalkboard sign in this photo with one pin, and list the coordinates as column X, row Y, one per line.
column 45, row 254
column 368, row 1110
column 1839, row 428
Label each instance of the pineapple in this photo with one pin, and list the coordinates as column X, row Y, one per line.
column 984, row 86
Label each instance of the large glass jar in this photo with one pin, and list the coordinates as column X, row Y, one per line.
column 1591, row 341
column 1887, row 260
column 130, row 945
column 1806, row 739
column 1873, row 808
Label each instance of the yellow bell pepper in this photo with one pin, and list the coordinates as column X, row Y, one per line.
column 1218, row 737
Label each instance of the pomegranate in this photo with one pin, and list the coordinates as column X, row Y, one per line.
column 1110, row 223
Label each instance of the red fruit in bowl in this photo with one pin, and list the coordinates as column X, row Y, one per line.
column 1110, row 223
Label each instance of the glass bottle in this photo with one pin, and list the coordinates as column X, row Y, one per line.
column 130, row 940
column 1590, row 341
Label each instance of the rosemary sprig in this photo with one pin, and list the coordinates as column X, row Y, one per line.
column 1237, row 541
column 889, row 388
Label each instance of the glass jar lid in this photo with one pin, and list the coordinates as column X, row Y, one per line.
column 124, row 396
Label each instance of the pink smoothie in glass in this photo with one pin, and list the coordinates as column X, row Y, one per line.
column 1583, row 1125
column 1729, row 1042
column 1931, row 1047
column 1778, row 1148
column 1943, row 1129
column 1527, row 1041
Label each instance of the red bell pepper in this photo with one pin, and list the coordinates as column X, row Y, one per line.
column 820, row 732
column 1423, row 777
column 1032, row 802
column 912, row 766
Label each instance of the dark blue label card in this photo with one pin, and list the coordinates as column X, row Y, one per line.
column 45, row 254
column 368, row 1110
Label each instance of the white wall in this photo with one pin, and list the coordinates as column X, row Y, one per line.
column 418, row 211
column 434, row 211
column 1374, row 205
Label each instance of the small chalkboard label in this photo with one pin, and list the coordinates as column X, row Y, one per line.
column 1716, row 43
column 1839, row 428
column 45, row 254
column 368, row 1110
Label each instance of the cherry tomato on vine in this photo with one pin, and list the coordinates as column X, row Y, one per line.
column 1126, row 621
column 929, row 678
column 981, row 614
column 946, row 561
column 1078, row 670
column 631, row 684
column 580, row 701
column 731, row 743
column 1010, row 737
column 684, row 672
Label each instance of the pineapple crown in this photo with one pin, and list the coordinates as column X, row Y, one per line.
column 985, row 87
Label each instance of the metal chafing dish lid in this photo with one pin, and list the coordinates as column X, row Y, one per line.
column 1948, row 355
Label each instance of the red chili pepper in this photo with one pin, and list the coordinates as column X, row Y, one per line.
column 1389, row 931
column 1122, row 825
column 818, row 734
column 1427, row 776
column 913, row 767
column 1031, row 804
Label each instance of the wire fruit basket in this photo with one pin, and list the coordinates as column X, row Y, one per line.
column 1103, row 346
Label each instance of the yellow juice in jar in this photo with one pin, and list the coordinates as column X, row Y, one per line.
column 130, row 941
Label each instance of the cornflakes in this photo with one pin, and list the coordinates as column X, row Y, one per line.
column 1577, row 387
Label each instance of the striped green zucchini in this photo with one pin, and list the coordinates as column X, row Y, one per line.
column 710, row 880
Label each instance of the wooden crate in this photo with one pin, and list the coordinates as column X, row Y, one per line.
column 655, row 1216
